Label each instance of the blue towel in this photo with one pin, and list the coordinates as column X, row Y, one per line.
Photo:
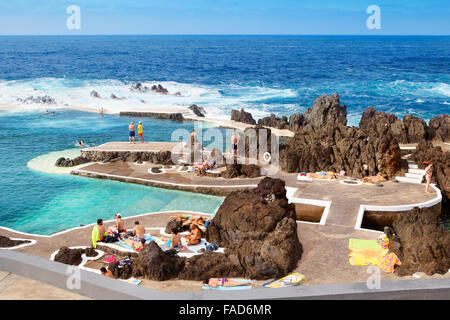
column 246, row 287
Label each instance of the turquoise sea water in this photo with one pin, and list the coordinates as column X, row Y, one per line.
column 42, row 203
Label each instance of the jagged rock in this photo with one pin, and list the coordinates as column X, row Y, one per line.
column 211, row 265
column 242, row 116
column 274, row 122
column 69, row 256
column 416, row 129
column 159, row 89
column 153, row 264
column 161, row 157
column 175, row 225
column 137, row 86
column 440, row 128
column 198, row 111
column 124, row 272
column 40, row 100
column 296, row 121
column 176, row 116
column 421, row 244
column 325, row 111
column 425, row 152
column 324, row 144
column 258, row 229
column 6, row 242
column 241, row 170
column 178, row 93
column 66, row 162
column 95, row 94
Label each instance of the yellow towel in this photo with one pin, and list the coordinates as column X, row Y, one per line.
column 364, row 257
column 95, row 236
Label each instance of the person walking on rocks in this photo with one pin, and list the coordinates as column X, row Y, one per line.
column 429, row 173
column 131, row 128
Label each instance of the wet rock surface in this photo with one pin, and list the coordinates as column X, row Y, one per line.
column 198, row 111
column 161, row 157
column 421, row 244
column 66, row 162
column 159, row 89
column 46, row 100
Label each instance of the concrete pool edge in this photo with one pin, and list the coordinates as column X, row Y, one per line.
column 100, row 287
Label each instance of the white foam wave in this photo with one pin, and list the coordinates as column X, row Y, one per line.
column 71, row 93
column 46, row 162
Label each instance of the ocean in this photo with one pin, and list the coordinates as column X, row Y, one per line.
column 262, row 74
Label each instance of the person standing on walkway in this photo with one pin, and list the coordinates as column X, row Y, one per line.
column 131, row 128
column 429, row 173
column 141, row 132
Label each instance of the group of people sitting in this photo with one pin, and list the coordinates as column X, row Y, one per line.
column 135, row 238
column 195, row 223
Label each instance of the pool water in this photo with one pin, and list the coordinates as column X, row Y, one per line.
column 43, row 203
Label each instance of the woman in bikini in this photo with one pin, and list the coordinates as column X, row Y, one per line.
column 429, row 172
column 224, row 282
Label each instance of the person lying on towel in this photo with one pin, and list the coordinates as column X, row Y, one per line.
column 224, row 282
column 323, row 175
column 195, row 236
column 375, row 179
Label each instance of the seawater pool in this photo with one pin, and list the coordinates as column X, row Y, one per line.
column 42, row 203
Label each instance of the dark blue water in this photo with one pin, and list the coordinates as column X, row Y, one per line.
column 281, row 74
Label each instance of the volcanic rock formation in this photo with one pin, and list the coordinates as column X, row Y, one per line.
column 421, row 244
column 242, row 116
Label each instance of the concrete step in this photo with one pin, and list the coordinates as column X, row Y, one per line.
column 413, row 175
column 409, row 180
column 412, row 166
column 417, row 171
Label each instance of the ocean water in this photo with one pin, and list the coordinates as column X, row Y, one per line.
column 263, row 74
column 42, row 203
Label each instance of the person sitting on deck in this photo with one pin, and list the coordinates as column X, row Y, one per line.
column 224, row 282
column 195, row 236
column 174, row 241
column 207, row 165
column 136, row 245
column 138, row 231
column 120, row 224
column 98, row 233
column 107, row 273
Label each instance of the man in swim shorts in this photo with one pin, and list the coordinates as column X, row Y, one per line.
column 131, row 128
column 138, row 231
column 120, row 224
column 141, row 132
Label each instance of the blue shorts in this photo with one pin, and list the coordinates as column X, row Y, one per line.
column 131, row 133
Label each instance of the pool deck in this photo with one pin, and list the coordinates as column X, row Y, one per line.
column 325, row 243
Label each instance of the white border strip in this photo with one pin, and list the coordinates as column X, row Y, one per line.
column 363, row 208
column 20, row 245
column 168, row 183
column 105, row 221
column 319, row 203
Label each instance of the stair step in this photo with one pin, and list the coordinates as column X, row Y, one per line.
column 409, row 180
column 417, row 171
column 413, row 175
column 412, row 166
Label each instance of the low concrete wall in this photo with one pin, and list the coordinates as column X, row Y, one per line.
column 100, row 287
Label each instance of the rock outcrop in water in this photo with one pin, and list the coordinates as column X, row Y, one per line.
column 95, row 94
column 159, row 89
column 198, row 111
column 47, row 100
column 325, row 142
column 421, row 244
column 161, row 157
column 138, row 87
column 242, row 116
column 67, row 162
column 274, row 122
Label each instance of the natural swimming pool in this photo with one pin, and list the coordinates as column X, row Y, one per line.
column 43, row 203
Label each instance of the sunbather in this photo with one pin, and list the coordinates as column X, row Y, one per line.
column 107, row 273
column 120, row 224
column 174, row 240
column 195, row 236
column 224, row 282
column 323, row 175
column 375, row 179
column 138, row 231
